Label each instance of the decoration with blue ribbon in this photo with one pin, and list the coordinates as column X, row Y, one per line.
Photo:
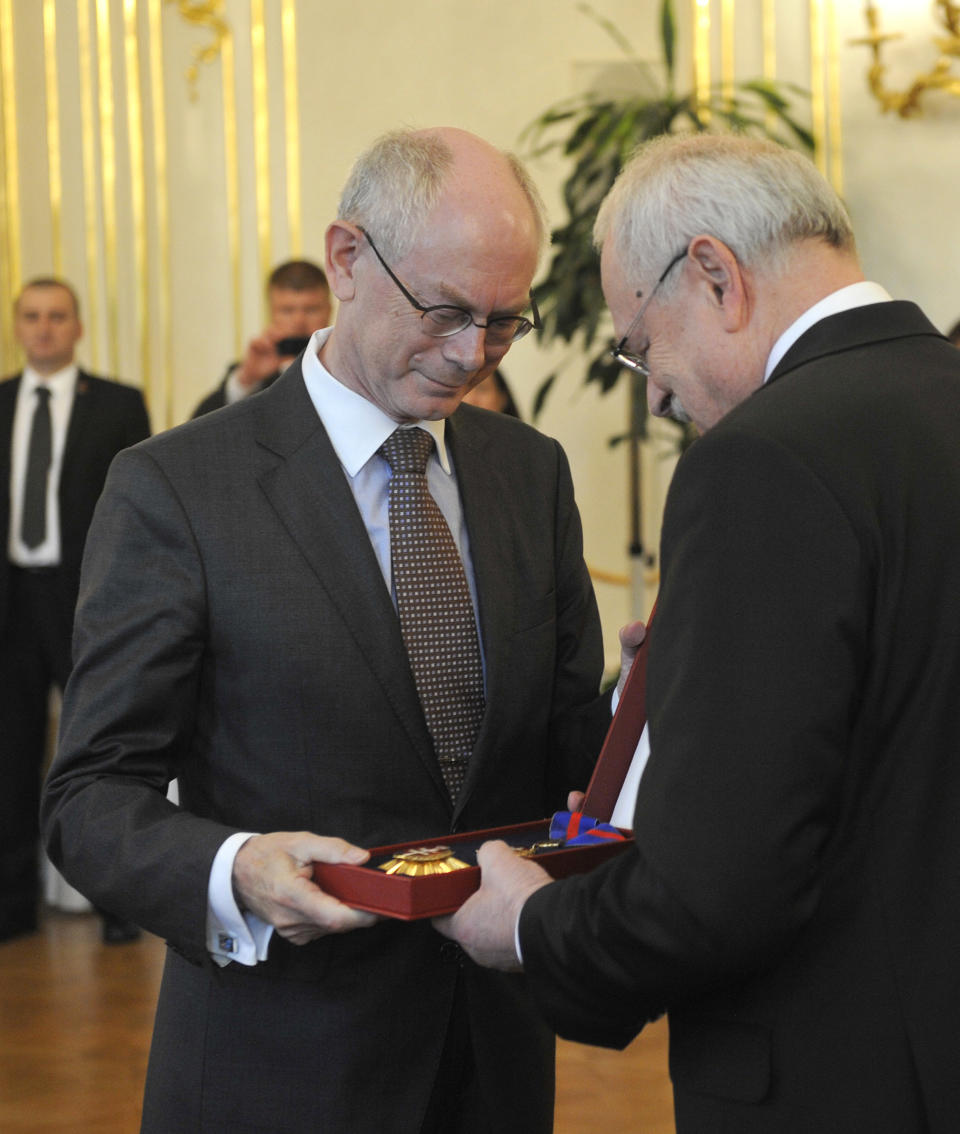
column 574, row 829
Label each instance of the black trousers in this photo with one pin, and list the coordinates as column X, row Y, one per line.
column 34, row 657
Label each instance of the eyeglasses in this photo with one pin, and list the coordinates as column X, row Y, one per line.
column 442, row 320
column 636, row 362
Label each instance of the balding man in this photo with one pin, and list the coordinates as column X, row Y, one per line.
column 246, row 626
column 792, row 898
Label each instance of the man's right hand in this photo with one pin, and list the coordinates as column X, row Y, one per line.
column 273, row 878
column 260, row 361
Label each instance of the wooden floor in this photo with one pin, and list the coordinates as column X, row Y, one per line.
column 75, row 1018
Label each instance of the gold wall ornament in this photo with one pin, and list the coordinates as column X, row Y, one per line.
column 208, row 14
column 942, row 76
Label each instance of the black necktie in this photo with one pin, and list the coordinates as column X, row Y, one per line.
column 33, row 523
column 435, row 608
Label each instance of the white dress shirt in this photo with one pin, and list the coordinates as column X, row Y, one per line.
column 62, row 386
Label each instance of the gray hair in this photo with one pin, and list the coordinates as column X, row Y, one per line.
column 395, row 184
column 756, row 196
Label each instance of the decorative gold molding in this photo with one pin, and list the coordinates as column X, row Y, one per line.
column 209, row 14
column 138, row 190
column 162, row 205
column 10, row 253
column 768, row 25
column 108, row 166
column 232, row 164
column 291, row 110
column 261, row 132
column 206, row 14
column 768, row 18
column 728, row 43
column 88, row 150
column 701, row 56
column 818, row 102
column 834, row 115
column 941, row 77
column 54, row 177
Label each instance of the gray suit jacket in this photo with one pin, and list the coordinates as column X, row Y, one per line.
column 234, row 631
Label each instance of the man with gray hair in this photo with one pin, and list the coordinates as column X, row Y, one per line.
column 791, row 898
column 344, row 613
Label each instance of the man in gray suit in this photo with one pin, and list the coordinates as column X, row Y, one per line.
column 236, row 630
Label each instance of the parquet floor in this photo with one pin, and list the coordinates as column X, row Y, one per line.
column 75, row 1019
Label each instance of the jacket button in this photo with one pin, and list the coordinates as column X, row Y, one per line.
column 451, row 953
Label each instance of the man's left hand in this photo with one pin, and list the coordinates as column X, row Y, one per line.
column 485, row 924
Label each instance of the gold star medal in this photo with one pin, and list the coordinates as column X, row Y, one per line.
column 422, row 861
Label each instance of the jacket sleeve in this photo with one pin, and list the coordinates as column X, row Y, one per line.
column 128, row 711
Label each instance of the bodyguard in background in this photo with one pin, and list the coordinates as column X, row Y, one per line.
column 60, row 428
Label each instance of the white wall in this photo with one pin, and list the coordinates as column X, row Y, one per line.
column 902, row 177
column 370, row 66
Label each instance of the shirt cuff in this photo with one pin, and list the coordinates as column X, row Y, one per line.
column 516, row 939
column 234, row 391
column 232, row 935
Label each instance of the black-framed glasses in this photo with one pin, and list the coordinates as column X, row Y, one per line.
column 441, row 320
column 638, row 362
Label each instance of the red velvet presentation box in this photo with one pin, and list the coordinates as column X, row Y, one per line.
column 409, row 898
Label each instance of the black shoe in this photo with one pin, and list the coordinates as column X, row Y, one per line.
column 18, row 921
column 116, row 931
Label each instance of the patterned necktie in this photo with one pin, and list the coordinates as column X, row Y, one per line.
column 33, row 523
column 436, row 611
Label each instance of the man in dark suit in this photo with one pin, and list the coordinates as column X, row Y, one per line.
column 298, row 301
column 83, row 422
column 792, row 898
column 236, row 629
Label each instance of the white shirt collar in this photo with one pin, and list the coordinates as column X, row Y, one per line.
column 854, row 295
column 60, row 382
column 356, row 427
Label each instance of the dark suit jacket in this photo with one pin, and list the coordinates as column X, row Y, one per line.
column 106, row 417
column 234, row 630
column 793, row 897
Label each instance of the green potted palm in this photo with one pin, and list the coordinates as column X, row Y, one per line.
column 596, row 133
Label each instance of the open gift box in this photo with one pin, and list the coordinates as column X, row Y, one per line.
column 408, row 897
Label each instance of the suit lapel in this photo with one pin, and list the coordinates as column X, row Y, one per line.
column 81, row 417
column 304, row 482
column 8, row 406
